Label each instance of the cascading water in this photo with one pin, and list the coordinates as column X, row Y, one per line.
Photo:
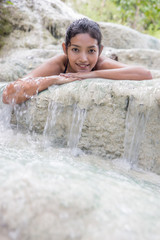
column 136, row 119
column 75, row 118
column 76, row 128
column 46, row 193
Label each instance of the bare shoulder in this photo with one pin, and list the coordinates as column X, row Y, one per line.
column 59, row 62
column 58, row 58
column 53, row 66
column 108, row 63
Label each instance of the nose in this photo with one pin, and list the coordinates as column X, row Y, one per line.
column 83, row 57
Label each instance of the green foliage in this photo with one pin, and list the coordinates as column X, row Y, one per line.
column 102, row 10
column 140, row 14
column 5, row 24
column 6, row 2
column 9, row 2
column 155, row 33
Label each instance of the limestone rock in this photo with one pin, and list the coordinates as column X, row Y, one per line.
column 148, row 58
column 19, row 63
column 118, row 118
column 118, row 36
column 37, row 23
column 115, row 118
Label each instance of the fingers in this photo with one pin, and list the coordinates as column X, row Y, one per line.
column 67, row 75
column 75, row 75
column 70, row 76
column 65, row 79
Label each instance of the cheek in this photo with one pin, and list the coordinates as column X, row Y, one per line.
column 94, row 59
column 72, row 57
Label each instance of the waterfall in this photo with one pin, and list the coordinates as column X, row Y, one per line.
column 138, row 115
column 57, row 134
column 5, row 111
column 50, row 133
column 76, row 128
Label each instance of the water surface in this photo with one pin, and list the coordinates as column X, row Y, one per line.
column 47, row 193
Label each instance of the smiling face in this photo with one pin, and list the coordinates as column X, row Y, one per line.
column 82, row 52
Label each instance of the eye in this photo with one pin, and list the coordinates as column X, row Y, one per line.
column 75, row 50
column 91, row 51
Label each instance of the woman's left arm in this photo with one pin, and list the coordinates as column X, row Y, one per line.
column 126, row 73
column 110, row 69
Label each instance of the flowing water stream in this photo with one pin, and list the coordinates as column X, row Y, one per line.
column 47, row 193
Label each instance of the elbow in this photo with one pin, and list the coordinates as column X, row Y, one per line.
column 149, row 75
column 146, row 74
column 143, row 74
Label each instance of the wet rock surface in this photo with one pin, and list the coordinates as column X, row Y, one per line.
column 38, row 32
column 121, row 118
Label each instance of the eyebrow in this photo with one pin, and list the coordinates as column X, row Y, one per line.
column 75, row 45
column 93, row 46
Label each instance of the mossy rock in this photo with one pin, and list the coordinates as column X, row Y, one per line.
column 6, row 26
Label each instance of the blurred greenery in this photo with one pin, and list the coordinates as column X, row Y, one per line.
column 141, row 15
column 102, row 10
column 5, row 1
column 5, row 25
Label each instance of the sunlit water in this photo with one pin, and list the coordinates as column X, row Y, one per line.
column 46, row 193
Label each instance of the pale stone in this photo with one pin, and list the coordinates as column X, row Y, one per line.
column 105, row 103
column 118, row 36
column 23, row 61
column 148, row 58
column 37, row 23
column 107, row 130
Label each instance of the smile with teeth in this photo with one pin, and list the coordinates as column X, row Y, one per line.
column 83, row 66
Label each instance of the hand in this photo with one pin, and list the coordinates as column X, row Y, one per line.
column 63, row 78
column 79, row 75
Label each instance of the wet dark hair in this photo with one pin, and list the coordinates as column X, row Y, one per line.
column 83, row 25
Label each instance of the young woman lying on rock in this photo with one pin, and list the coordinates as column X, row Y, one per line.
column 81, row 60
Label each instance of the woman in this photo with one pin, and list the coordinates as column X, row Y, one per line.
column 81, row 60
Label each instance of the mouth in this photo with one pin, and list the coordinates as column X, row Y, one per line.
column 83, row 66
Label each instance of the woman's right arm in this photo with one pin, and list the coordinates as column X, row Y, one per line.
column 38, row 80
column 22, row 90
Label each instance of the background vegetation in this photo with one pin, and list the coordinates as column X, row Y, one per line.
column 141, row 15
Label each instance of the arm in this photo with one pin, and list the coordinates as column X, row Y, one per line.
column 110, row 69
column 126, row 73
column 38, row 80
column 22, row 90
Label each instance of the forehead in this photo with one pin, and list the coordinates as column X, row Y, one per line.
column 84, row 39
